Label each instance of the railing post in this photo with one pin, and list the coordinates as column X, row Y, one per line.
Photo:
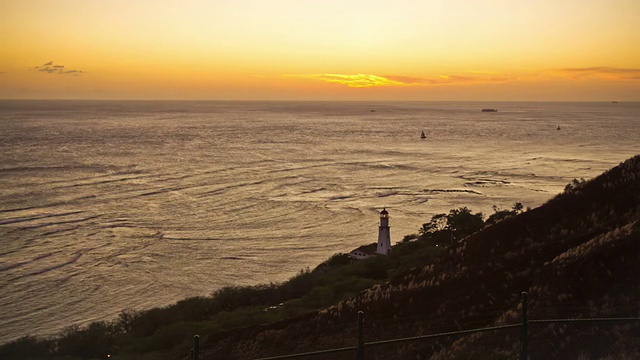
column 524, row 333
column 196, row 347
column 360, row 349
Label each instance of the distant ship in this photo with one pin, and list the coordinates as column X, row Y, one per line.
column 558, row 128
column 614, row 102
column 423, row 136
column 489, row 110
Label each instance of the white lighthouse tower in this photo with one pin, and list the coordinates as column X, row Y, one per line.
column 384, row 234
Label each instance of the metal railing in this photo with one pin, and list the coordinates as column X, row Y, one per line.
column 523, row 325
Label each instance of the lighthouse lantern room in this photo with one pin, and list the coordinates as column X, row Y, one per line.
column 384, row 234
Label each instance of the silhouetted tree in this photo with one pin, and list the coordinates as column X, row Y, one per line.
column 438, row 222
column 442, row 227
column 517, row 207
column 463, row 222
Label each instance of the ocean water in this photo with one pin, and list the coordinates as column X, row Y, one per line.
column 106, row 206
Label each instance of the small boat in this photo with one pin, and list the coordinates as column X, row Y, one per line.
column 558, row 128
column 489, row 110
column 423, row 136
column 614, row 102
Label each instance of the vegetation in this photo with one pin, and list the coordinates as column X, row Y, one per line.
column 576, row 256
column 167, row 330
column 444, row 229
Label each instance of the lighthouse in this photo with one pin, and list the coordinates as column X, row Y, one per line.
column 384, row 234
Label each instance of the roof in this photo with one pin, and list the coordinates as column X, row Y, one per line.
column 367, row 249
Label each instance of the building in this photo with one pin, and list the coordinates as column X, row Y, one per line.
column 384, row 233
column 382, row 247
column 364, row 251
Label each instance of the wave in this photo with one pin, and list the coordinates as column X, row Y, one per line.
column 487, row 182
column 70, row 261
column 51, row 204
column 21, row 169
column 60, row 222
column 173, row 238
column 467, row 191
column 60, row 231
column 164, row 191
column 37, row 217
column 102, row 182
column 313, row 191
column 233, row 258
column 19, row 264
column 341, row 197
column 387, row 194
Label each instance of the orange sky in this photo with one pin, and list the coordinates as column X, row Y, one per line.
column 321, row 50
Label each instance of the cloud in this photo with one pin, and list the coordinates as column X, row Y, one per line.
column 407, row 80
column 368, row 80
column 599, row 72
column 474, row 77
column 51, row 68
column 355, row 81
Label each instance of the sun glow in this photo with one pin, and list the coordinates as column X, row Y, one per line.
column 355, row 81
column 310, row 50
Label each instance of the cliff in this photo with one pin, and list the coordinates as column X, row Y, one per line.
column 577, row 256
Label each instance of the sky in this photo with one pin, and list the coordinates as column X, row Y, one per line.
column 431, row 50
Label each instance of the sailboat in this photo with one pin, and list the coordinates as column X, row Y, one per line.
column 423, row 136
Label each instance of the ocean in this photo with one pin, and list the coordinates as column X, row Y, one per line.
column 113, row 205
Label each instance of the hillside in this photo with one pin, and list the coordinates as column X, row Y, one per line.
column 577, row 256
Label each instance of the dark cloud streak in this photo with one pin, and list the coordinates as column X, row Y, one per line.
column 601, row 71
column 51, row 68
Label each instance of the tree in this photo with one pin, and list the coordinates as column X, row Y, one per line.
column 438, row 222
column 464, row 222
column 574, row 185
column 409, row 238
column 28, row 347
column 517, row 208
column 460, row 221
column 498, row 215
column 125, row 321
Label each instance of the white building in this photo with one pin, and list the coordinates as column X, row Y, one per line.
column 384, row 233
column 384, row 241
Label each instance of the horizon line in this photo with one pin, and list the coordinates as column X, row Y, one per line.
column 302, row 100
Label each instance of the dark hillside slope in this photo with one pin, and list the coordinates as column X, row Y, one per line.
column 577, row 256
